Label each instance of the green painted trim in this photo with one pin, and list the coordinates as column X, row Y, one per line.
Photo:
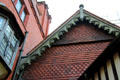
column 101, row 24
column 64, row 28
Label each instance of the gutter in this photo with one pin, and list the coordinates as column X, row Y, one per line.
column 19, row 58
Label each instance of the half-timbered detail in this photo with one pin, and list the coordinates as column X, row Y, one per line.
column 110, row 70
column 109, row 58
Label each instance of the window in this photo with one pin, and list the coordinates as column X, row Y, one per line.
column 18, row 6
column 23, row 15
column 8, row 42
column 21, row 9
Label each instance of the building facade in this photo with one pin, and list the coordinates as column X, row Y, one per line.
column 72, row 48
column 18, row 17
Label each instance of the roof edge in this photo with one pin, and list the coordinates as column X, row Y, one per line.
column 47, row 43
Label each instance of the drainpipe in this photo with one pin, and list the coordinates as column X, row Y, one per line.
column 19, row 58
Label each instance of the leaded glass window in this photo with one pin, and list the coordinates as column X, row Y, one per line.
column 8, row 41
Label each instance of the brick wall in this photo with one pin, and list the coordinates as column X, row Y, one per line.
column 84, row 33
column 45, row 17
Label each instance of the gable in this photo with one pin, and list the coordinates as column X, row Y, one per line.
column 82, row 33
column 71, row 55
column 98, row 22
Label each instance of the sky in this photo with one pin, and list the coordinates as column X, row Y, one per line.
column 60, row 10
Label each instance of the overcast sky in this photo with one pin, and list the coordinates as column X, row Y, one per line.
column 60, row 10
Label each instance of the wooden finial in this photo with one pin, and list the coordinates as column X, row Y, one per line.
column 81, row 11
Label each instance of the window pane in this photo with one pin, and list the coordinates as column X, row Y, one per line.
column 13, row 41
column 8, row 56
column 3, row 45
column 8, row 31
column 23, row 16
column 2, row 22
column 18, row 6
column 7, row 59
column 9, row 53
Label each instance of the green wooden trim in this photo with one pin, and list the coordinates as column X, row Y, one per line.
column 102, row 24
column 64, row 28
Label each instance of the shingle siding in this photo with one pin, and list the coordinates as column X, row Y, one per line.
column 68, row 62
column 83, row 33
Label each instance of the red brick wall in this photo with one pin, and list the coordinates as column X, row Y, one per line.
column 41, row 8
column 31, row 25
column 84, row 33
column 44, row 18
column 34, row 35
column 69, row 61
